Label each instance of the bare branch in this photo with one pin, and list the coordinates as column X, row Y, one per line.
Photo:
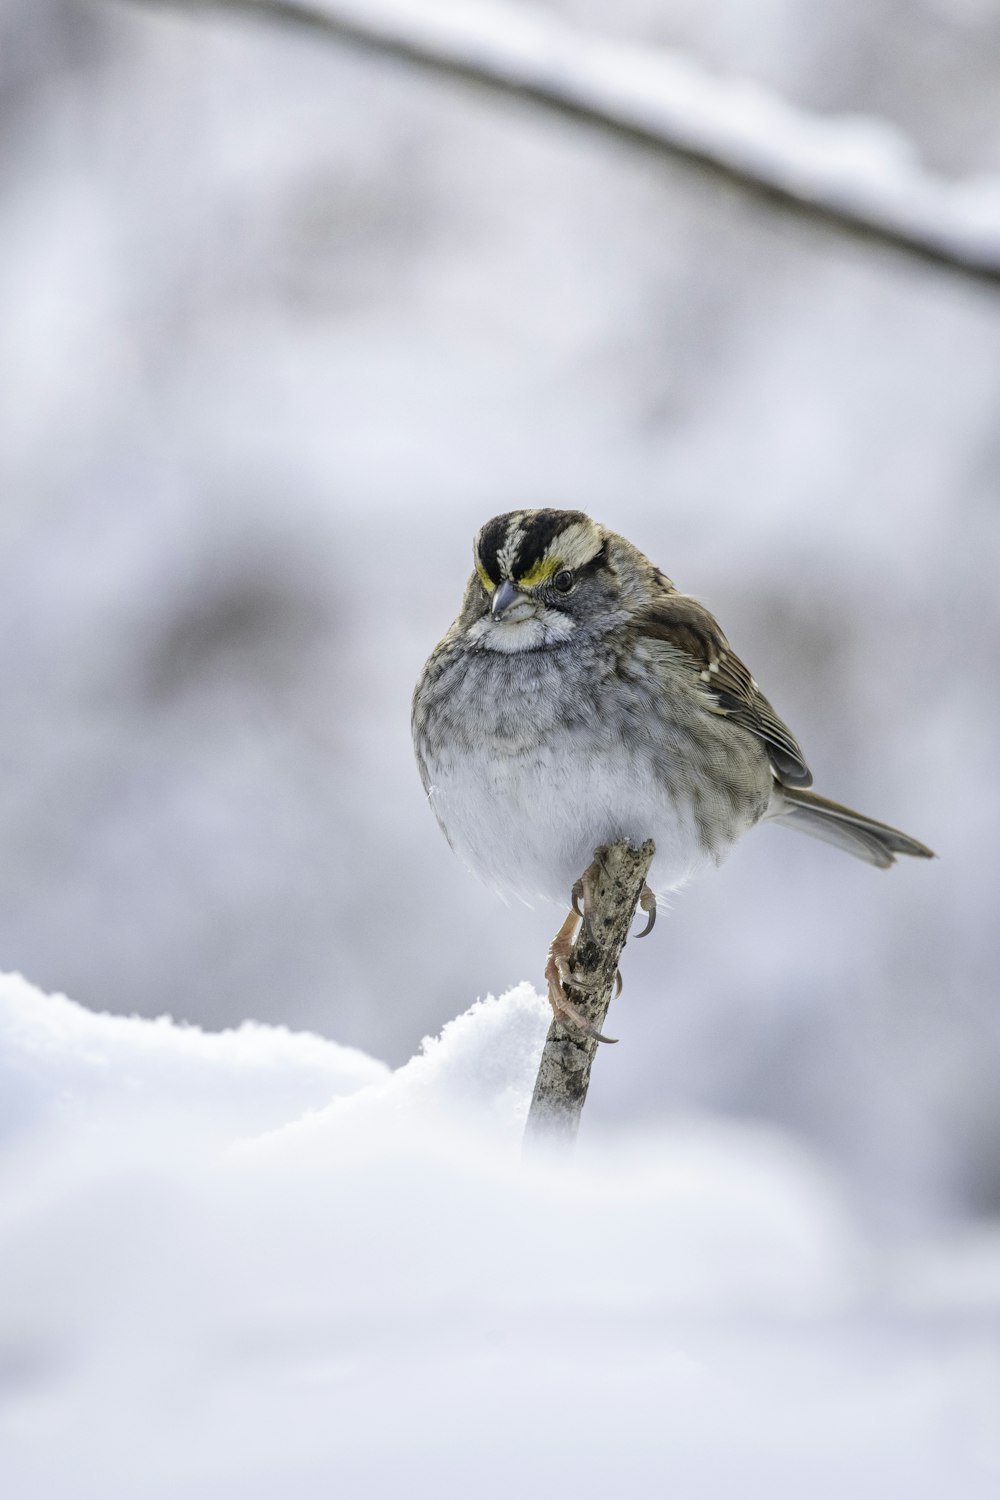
column 564, row 1071
column 861, row 176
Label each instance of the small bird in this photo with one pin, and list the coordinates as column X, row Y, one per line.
column 579, row 699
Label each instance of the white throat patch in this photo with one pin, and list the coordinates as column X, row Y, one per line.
column 549, row 628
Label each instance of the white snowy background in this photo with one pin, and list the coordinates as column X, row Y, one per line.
column 281, row 324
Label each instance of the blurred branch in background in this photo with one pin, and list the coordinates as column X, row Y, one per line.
column 861, row 175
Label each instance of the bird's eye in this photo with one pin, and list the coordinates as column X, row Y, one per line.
column 563, row 581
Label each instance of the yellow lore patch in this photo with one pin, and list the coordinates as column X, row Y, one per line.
column 540, row 572
column 484, row 577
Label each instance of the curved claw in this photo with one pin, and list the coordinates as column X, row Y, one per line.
column 575, row 1021
column 597, row 1036
column 577, row 897
column 587, row 984
column 647, row 901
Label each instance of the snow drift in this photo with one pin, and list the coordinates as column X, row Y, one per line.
column 257, row 1263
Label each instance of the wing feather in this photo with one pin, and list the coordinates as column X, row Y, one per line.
column 683, row 623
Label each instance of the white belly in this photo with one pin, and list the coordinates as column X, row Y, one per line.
column 528, row 823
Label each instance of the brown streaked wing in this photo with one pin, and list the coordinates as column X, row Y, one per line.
column 683, row 623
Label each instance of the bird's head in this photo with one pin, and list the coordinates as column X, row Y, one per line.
column 540, row 575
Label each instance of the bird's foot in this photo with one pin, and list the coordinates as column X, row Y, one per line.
column 583, row 889
column 558, row 974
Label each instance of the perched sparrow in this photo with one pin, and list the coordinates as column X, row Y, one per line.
column 579, row 699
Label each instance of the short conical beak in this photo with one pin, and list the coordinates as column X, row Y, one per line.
column 504, row 595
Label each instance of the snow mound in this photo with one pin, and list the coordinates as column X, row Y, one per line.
column 258, row 1264
column 59, row 1060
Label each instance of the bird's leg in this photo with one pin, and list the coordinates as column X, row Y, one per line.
column 583, row 890
column 647, row 900
column 558, row 972
column 557, row 964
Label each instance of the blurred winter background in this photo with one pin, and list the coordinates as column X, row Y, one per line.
column 282, row 323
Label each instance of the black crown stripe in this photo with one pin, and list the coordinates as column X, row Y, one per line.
column 540, row 531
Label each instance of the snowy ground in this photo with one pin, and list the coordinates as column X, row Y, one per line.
column 258, row 1263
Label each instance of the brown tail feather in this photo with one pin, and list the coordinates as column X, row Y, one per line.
column 863, row 837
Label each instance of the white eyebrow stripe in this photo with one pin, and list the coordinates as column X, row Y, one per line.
column 576, row 545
